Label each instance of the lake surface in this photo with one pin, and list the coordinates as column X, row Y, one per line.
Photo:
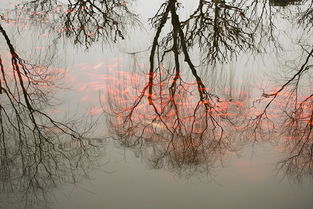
column 156, row 104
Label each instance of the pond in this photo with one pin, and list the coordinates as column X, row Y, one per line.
column 156, row 104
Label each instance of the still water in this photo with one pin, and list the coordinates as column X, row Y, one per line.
column 156, row 104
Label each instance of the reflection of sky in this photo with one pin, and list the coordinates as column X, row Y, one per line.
column 243, row 183
column 246, row 182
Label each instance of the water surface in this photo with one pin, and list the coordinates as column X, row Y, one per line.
column 156, row 104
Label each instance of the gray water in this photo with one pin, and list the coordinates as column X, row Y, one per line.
column 212, row 143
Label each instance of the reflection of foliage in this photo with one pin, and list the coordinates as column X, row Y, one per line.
column 83, row 21
column 33, row 158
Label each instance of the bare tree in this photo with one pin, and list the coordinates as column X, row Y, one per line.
column 195, row 135
column 33, row 158
column 178, row 129
column 283, row 3
column 221, row 30
column 305, row 16
column 218, row 30
column 294, row 122
column 82, row 21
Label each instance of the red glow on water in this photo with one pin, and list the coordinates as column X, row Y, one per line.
column 95, row 111
column 289, row 138
column 69, row 11
column 121, row 89
column 43, row 35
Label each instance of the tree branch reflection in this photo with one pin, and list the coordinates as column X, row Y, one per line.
column 221, row 30
column 82, row 21
column 305, row 17
column 296, row 101
column 183, row 128
column 37, row 152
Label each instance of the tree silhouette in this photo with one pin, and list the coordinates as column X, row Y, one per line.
column 305, row 16
column 298, row 121
column 283, row 3
column 179, row 129
column 34, row 152
column 82, row 21
column 221, row 30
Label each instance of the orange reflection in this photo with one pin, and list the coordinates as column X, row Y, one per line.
column 183, row 122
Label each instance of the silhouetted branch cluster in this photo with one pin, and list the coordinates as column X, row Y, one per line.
column 297, row 125
column 299, row 143
column 33, row 158
column 182, row 130
column 220, row 29
column 291, row 86
column 306, row 16
column 83, row 21
column 178, row 129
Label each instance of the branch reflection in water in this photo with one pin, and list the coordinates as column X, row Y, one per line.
column 184, row 128
column 37, row 153
column 294, row 98
column 171, row 117
column 84, row 22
